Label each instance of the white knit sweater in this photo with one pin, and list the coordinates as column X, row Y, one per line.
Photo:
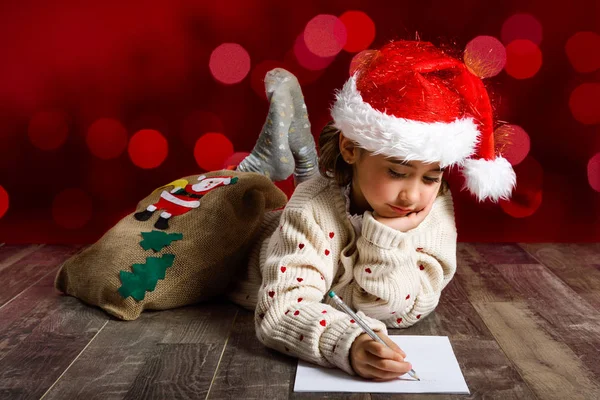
column 391, row 278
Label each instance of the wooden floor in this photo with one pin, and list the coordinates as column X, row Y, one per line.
column 523, row 319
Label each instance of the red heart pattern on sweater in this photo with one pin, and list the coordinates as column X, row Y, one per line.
column 283, row 269
column 301, row 245
column 271, row 294
column 299, row 279
column 399, row 320
column 324, row 312
column 300, row 299
column 352, row 321
column 326, row 252
column 296, row 312
column 323, row 322
column 331, row 235
column 407, row 296
column 419, row 249
column 418, row 316
column 368, row 270
column 261, row 315
column 421, row 267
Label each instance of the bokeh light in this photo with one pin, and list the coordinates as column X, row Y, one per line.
column 360, row 31
column 485, row 56
column 325, row 35
column 229, row 63
column 48, row 129
column 307, row 59
column 72, row 208
column 521, row 26
column 512, row 142
column 523, row 59
column 197, row 123
column 106, row 138
column 584, row 103
column 235, row 159
column 212, row 150
column 305, row 76
column 593, row 173
column 148, row 148
column 4, row 201
column 362, row 58
column 257, row 77
column 527, row 196
column 583, row 51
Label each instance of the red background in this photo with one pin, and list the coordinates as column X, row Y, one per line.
column 146, row 64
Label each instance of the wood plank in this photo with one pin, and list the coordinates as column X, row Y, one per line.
column 572, row 320
column 10, row 254
column 575, row 263
column 503, row 253
column 479, row 279
column 249, row 370
column 454, row 317
column 25, row 270
column 549, row 367
column 488, row 372
column 161, row 355
column 41, row 333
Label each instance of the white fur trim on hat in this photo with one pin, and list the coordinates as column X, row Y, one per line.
column 493, row 179
column 446, row 143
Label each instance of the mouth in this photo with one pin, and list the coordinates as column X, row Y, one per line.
column 401, row 210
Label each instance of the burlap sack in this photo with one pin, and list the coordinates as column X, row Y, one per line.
column 214, row 243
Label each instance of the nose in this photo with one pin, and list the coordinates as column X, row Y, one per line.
column 409, row 194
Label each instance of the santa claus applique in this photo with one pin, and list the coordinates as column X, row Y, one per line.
column 182, row 198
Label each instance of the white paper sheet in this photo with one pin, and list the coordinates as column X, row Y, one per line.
column 432, row 359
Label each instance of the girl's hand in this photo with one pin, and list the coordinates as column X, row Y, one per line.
column 372, row 360
column 409, row 221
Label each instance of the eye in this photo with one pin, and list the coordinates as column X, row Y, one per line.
column 394, row 174
column 431, row 181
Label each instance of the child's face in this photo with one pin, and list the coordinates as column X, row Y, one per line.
column 382, row 183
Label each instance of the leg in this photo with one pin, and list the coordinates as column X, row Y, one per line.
column 162, row 222
column 272, row 156
column 301, row 140
column 146, row 214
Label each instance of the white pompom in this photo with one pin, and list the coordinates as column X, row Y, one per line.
column 493, row 179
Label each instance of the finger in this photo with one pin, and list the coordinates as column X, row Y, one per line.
column 393, row 345
column 368, row 371
column 389, row 365
column 379, row 350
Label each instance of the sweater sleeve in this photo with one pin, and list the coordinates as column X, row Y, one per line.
column 290, row 316
column 399, row 276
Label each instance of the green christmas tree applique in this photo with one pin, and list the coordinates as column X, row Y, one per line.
column 144, row 276
column 156, row 240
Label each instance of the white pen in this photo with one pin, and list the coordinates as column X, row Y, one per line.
column 363, row 325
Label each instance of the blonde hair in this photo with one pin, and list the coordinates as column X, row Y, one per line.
column 333, row 166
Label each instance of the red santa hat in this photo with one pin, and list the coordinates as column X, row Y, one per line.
column 411, row 101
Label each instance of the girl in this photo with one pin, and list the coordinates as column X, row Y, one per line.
column 377, row 224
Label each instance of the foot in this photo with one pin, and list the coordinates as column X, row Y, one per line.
column 143, row 215
column 272, row 156
column 162, row 224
